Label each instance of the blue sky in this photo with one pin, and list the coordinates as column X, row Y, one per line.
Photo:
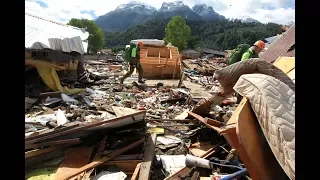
column 278, row 11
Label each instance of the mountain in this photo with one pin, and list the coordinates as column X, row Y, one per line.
column 134, row 13
column 215, row 34
column 124, row 16
column 206, row 12
column 249, row 20
column 176, row 8
column 289, row 23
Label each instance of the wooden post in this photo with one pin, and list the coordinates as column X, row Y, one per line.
column 148, row 157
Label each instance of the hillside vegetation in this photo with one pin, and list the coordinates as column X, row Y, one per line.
column 215, row 34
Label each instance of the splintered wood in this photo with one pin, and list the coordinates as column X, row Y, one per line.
column 148, row 157
column 75, row 158
column 102, row 160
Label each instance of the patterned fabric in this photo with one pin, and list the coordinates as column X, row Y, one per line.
column 274, row 105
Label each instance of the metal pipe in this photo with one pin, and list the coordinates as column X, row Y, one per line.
column 236, row 174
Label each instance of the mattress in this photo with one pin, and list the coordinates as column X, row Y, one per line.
column 274, row 105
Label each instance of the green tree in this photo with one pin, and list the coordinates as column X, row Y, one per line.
column 178, row 33
column 96, row 37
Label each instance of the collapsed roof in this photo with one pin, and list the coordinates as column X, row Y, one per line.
column 41, row 33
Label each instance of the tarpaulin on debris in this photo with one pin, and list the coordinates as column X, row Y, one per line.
column 274, row 105
column 51, row 79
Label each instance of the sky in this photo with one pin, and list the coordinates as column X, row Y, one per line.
column 277, row 11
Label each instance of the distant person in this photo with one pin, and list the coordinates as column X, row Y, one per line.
column 244, row 51
column 132, row 55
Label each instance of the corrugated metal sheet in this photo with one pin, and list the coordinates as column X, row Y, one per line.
column 54, row 35
column 281, row 46
column 271, row 40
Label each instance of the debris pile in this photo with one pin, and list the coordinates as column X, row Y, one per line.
column 139, row 131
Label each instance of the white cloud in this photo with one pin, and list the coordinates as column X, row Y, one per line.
column 277, row 11
column 262, row 10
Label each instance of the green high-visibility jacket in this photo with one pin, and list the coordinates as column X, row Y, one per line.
column 249, row 54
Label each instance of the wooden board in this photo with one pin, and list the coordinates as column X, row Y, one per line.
column 124, row 165
column 199, row 151
column 44, row 157
column 286, row 64
column 255, row 144
column 196, row 90
column 53, row 143
column 136, row 172
column 103, row 159
column 148, row 157
column 220, row 130
column 123, row 111
column 90, row 126
column 75, row 158
column 37, row 152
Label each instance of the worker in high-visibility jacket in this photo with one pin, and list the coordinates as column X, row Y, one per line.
column 244, row 51
column 134, row 62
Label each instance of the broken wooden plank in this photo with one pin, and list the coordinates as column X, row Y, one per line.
column 51, row 94
column 128, row 157
column 37, row 152
column 84, row 127
column 195, row 175
column 101, row 148
column 183, row 172
column 205, row 107
column 201, row 149
column 148, row 157
column 75, row 158
column 251, row 145
column 87, row 175
column 213, row 122
column 103, row 159
column 59, row 152
column 136, row 172
column 124, row 165
column 220, row 130
column 51, row 143
column 55, row 130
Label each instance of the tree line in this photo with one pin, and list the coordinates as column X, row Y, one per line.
column 215, row 34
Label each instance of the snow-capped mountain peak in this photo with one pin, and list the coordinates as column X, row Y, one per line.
column 137, row 6
column 206, row 11
column 173, row 5
column 248, row 19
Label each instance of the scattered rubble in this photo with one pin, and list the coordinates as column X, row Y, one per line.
column 151, row 131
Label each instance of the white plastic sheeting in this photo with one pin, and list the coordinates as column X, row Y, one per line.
column 54, row 35
column 154, row 42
